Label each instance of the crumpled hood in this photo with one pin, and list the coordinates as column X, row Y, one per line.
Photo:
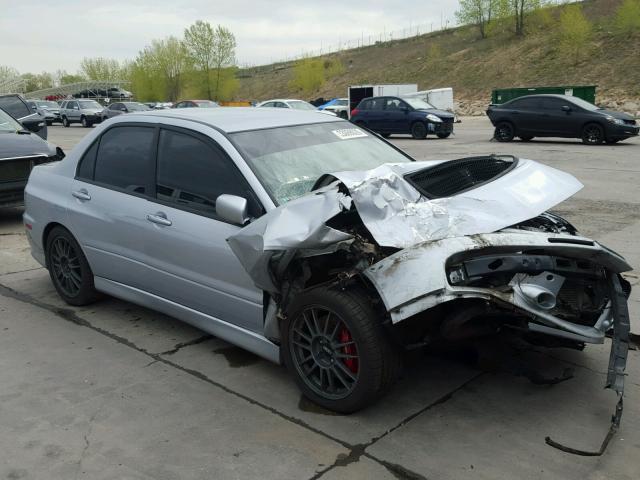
column 396, row 213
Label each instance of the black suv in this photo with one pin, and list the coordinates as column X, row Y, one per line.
column 559, row 116
column 389, row 115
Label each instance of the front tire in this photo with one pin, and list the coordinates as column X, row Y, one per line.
column 526, row 138
column 419, row 131
column 68, row 268
column 85, row 123
column 592, row 134
column 504, row 132
column 334, row 345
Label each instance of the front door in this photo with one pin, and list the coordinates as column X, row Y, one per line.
column 186, row 246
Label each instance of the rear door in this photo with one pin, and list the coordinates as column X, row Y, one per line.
column 187, row 251
column 108, row 211
column 73, row 111
column 375, row 117
column 527, row 116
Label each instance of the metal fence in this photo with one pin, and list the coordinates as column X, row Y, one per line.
column 365, row 40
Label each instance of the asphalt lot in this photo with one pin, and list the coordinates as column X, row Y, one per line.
column 115, row 391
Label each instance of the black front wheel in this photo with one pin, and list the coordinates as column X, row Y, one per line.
column 65, row 122
column 504, row 132
column 592, row 134
column 334, row 344
column 443, row 134
column 68, row 267
column 419, row 130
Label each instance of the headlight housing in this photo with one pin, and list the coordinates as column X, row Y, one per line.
column 433, row 118
column 617, row 121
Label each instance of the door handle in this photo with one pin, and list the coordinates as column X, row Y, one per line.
column 160, row 218
column 81, row 194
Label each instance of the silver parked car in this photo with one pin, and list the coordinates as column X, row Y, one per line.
column 308, row 240
column 85, row 112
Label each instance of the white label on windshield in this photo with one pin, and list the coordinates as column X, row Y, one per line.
column 347, row 133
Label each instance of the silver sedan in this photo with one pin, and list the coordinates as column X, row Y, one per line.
column 308, row 240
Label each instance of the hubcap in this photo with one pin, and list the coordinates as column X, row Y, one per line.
column 65, row 265
column 324, row 353
column 593, row 135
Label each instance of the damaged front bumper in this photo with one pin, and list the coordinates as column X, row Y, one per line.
column 418, row 278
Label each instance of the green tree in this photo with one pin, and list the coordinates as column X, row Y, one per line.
column 628, row 17
column 37, row 81
column 167, row 62
column 199, row 40
column 574, row 31
column 308, row 75
column 100, row 69
column 224, row 54
column 478, row 13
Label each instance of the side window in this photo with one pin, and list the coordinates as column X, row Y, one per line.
column 394, row 104
column 376, row 103
column 72, row 105
column 63, row 105
column 14, row 107
column 551, row 104
column 526, row 104
column 366, row 105
column 282, row 105
column 125, row 160
column 87, row 163
column 193, row 174
column 269, row 104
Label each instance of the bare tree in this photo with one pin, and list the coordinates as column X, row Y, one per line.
column 477, row 12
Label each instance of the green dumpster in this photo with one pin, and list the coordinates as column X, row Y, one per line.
column 586, row 92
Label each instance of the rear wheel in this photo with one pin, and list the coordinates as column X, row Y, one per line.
column 592, row 134
column 612, row 141
column 504, row 132
column 526, row 138
column 335, row 346
column 343, row 114
column 443, row 134
column 419, row 130
column 385, row 135
column 68, row 267
column 85, row 123
column 65, row 122
column 49, row 123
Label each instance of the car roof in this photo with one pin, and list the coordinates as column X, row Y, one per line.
column 238, row 119
column 541, row 95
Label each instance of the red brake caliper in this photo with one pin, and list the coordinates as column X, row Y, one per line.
column 345, row 337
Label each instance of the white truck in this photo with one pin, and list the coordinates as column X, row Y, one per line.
column 440, row 98
column 356, row 93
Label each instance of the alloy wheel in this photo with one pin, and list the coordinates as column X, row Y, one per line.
column 65, row 265
column 325, row 353
column 592, row 134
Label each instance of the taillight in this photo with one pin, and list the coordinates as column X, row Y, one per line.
column 355, row 111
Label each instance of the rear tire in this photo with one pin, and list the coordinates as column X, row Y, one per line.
column 526, row 138
column 49, row 123
column 335, row 346
column 504, row 132
column 85, row 123
column 68, row 268
column 592, row 134
column 419, row 131
column 65, row 122
column 444, row 135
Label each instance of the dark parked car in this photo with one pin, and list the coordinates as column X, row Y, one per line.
column 20, row 151
column 113, row 92
column 559, row 116
column 119, row 108
column 389, row 115
column 195, row 104
column 17, row 107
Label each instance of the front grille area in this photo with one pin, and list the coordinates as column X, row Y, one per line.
column 16, row 170
column 457, row 176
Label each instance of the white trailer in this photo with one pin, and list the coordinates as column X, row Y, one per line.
column 441, row 98
column 356, row 93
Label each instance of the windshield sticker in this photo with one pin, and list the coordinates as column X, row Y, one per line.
column 347, row 133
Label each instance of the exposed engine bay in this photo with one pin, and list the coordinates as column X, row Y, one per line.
column 449, row 250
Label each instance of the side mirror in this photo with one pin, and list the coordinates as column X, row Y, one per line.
column 566, row 108
column 33, row 124
column 233, row 209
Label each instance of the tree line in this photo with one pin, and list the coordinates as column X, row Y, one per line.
column 201, row 64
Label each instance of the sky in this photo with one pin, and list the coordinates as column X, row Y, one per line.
column 47, row 35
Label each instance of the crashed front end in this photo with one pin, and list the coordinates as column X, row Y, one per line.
column 453, row 248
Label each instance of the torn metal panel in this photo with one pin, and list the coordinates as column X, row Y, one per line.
column 407, row 286
column 397, row 215
column 297, row 226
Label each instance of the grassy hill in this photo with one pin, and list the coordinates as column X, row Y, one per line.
column 458, row 58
